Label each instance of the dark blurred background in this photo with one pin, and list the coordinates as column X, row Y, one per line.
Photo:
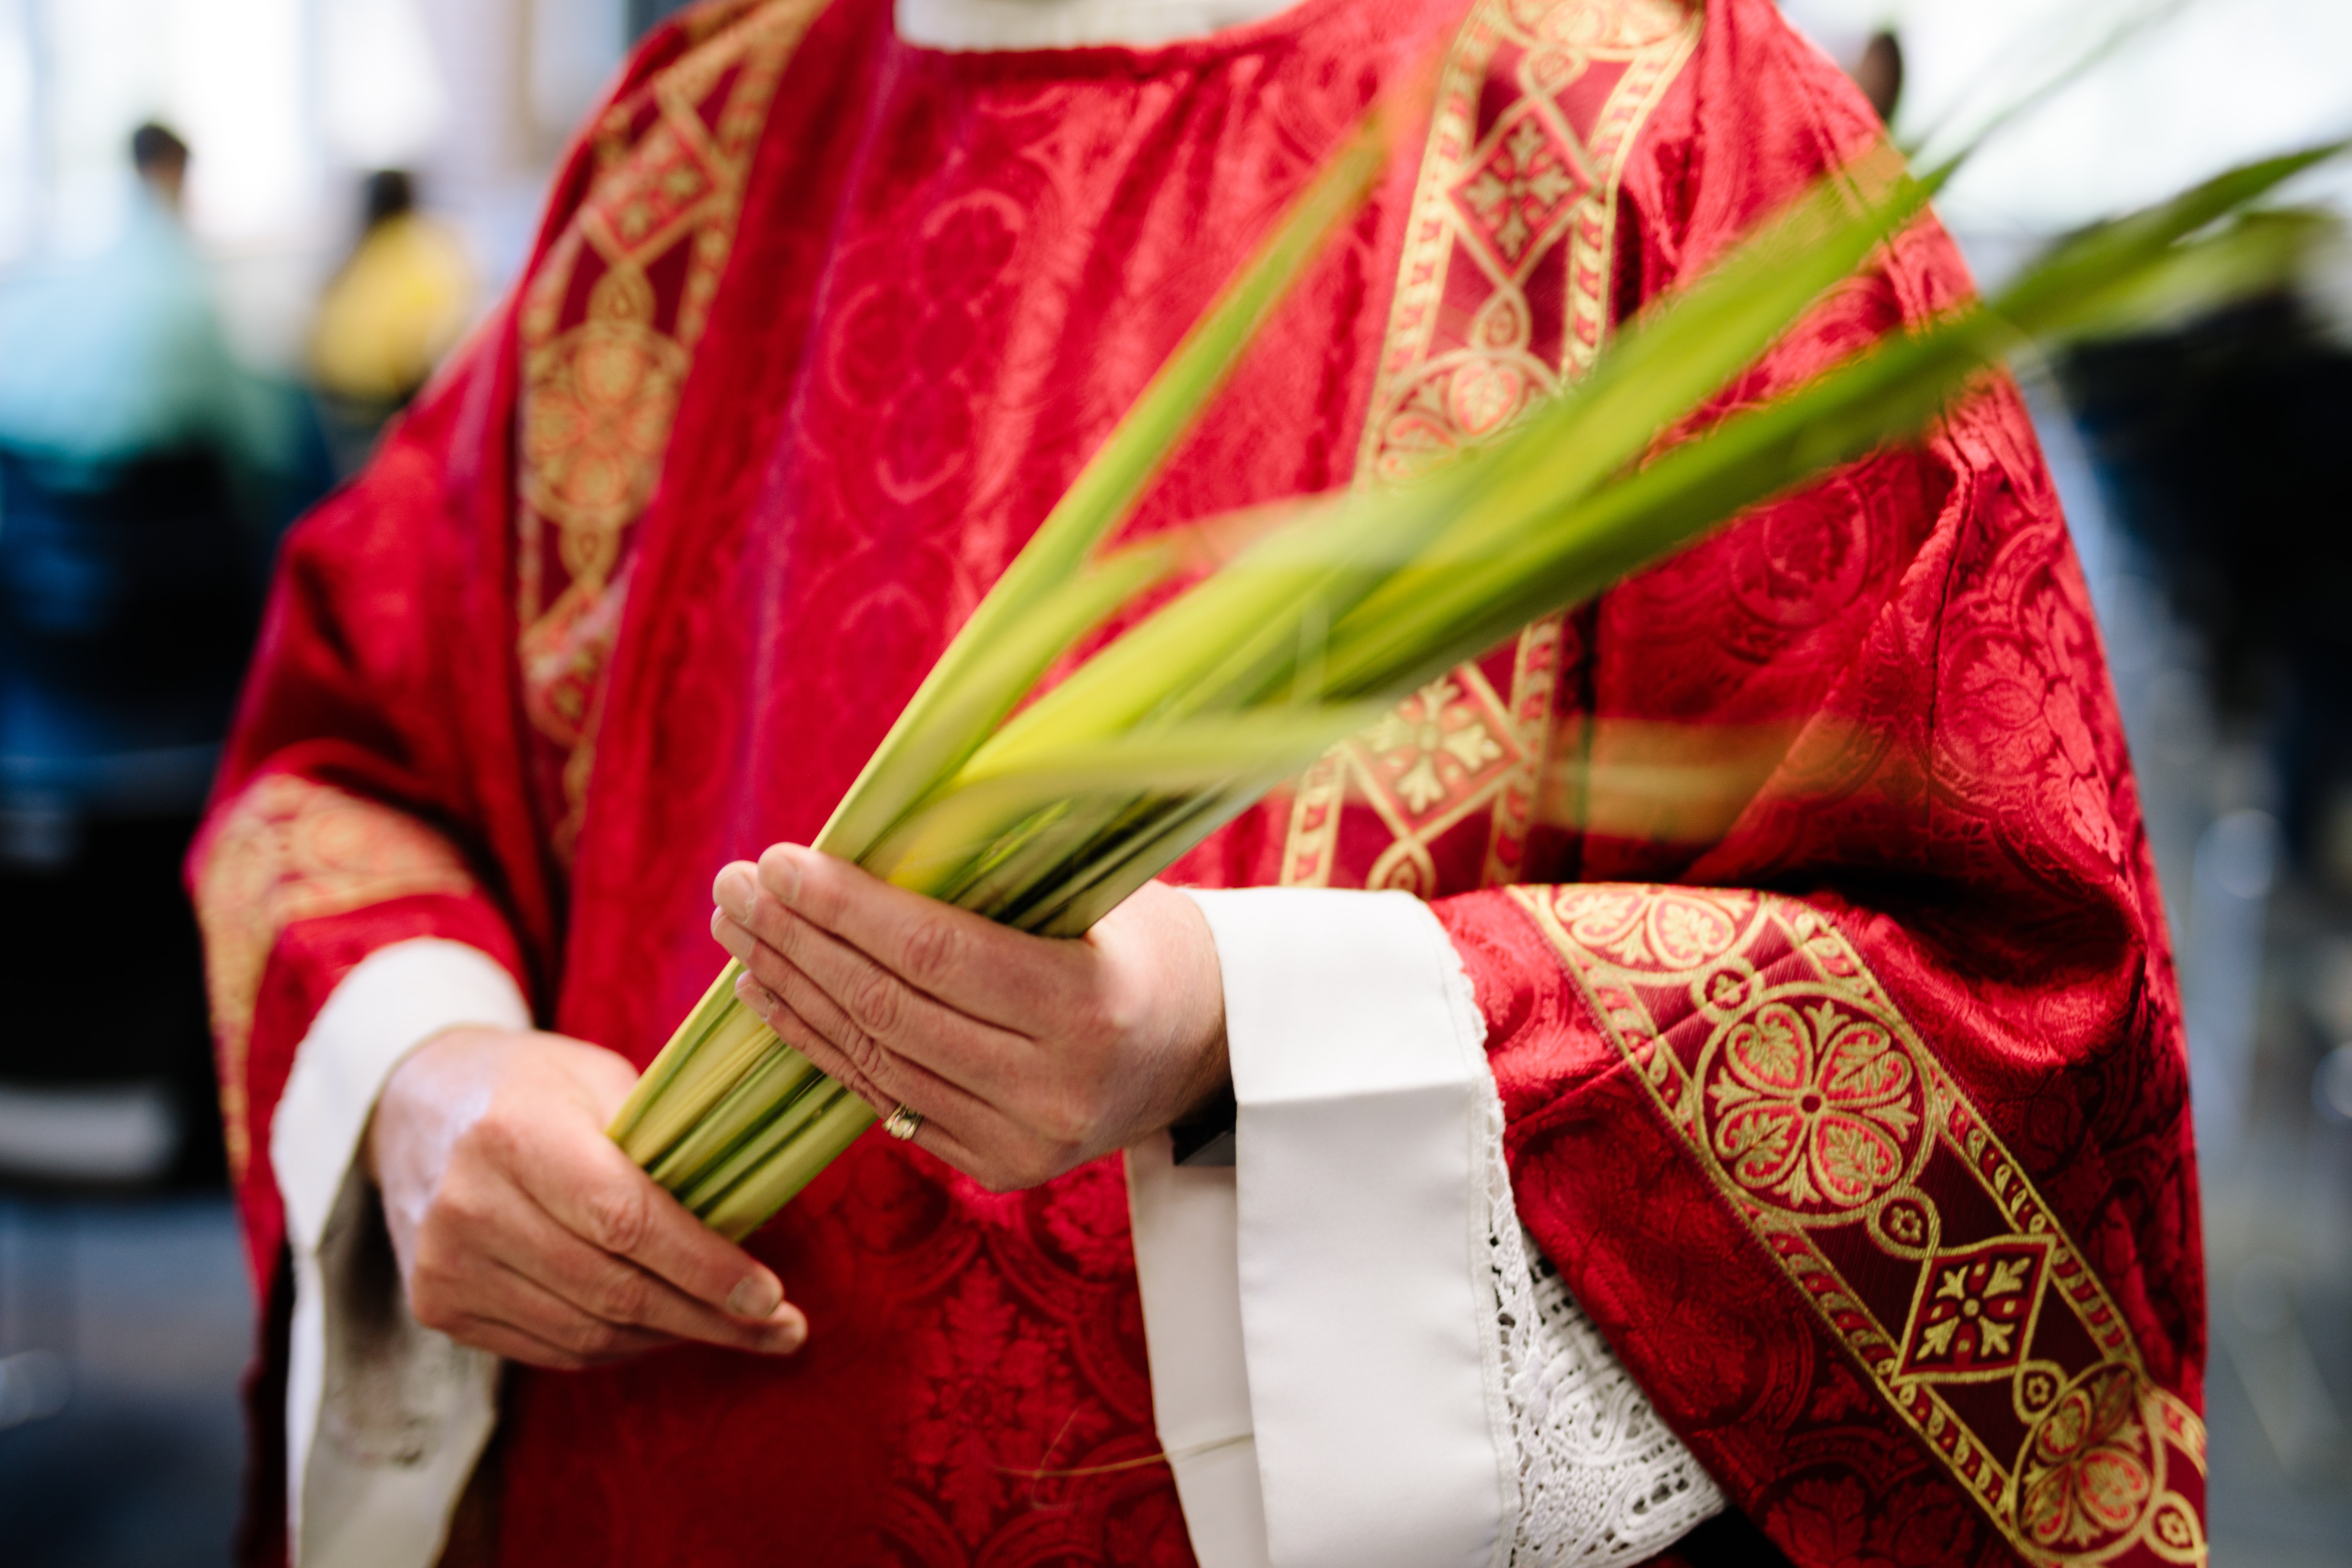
column 235, row 235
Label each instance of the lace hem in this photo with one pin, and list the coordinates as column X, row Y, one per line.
column 1599, row 1478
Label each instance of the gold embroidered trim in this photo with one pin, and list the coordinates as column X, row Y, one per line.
column 291, row 849
column 601, row 377
column 1827, row 1125
column 1506, row 203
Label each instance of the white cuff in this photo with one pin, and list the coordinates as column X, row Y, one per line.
column 384, row 1418
column 1186, row 1226
column 1373, row 1388
column 1358, row 1354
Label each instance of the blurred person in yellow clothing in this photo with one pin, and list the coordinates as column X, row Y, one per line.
column 399, row 303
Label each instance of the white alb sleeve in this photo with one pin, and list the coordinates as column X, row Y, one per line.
column 1358, row 1355
column 384, row 1417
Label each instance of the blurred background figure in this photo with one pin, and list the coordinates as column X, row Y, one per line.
column 163, row 330
column 162, row 160
column 1861, row 39
column 1879, row 73
column 2220, row 453
column 400, row 302
column 112, row 360
column 143, row 474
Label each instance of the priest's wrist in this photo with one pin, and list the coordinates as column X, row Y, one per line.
column 1201, row 1131
column 1203, row 1137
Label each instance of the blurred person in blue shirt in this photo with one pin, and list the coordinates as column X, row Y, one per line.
column 144, row 475
column 120, row 356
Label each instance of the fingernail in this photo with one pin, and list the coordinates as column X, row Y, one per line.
column 736, row 889
column 783, row 867
column 755, row 1297
column 755, row 996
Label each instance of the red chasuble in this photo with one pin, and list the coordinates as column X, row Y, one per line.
column 1802, row 880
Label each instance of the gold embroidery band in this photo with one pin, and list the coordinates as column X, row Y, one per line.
column 1503, row 296
column 291, row 849
column 1832, row 1131
column 606, row 348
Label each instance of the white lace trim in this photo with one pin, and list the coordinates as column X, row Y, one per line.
column 1601, row 1478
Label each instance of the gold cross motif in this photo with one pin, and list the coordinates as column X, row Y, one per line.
column 1525, row 175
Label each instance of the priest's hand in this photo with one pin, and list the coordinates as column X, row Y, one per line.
column 521, row 1229
column 1025, row 1056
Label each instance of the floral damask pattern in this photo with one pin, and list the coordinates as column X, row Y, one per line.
column 2023, row 684
column 1516, row 196
column 1028, row 1389
column 1665, row 931
column 994, row 1401
column 848, row 498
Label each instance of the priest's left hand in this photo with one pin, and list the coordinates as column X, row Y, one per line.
column 1026, row 1055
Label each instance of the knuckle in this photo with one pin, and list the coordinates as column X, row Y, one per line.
column 625, row 1295
column 483, row 1143
column 768, row 965
column 1094, row 1018
column 618, row 1218
column 497, row 1137
column 796, row 990
column 438, row 1264
column 863, row 1054
column 433, row 1304
column 1065, row 1122
column 934, row 950
column 458, row 1207
column 782, row 938
column 861, row 1083
column 876, row 1003
column 593, row 1339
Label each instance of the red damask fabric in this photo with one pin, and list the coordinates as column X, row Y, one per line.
column 1837, row 927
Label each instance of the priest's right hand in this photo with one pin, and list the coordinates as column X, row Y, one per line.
column 521, row 1229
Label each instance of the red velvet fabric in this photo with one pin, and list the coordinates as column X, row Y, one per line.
column 932, row 285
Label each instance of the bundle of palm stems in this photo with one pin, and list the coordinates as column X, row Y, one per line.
column 1045, row 808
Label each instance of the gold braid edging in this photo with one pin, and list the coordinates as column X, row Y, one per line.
column 291, row 849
